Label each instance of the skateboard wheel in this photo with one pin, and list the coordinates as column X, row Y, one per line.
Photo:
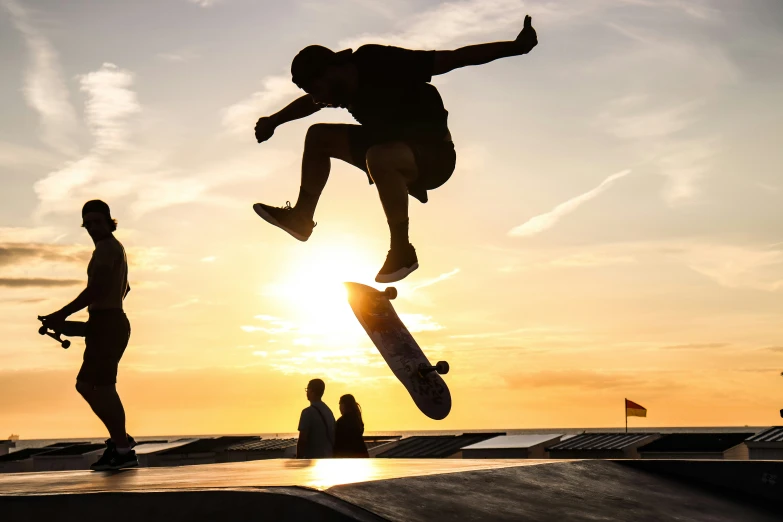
column 42, row 330
column 442, row 367
column 390, row 292
column 66, row 344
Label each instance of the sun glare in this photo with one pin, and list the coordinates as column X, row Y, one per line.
column 313, row 294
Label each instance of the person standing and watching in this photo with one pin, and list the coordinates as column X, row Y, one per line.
column 316, row 425
column 107, row 333
column 349, row 430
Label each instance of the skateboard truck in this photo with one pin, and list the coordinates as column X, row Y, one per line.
column 69, row 328
column 442, row 367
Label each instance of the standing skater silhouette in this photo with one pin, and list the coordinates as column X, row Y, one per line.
column 107, row 333
column 402, row 143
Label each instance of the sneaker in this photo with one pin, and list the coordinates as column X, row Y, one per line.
column 102, row 464
column 120, row 461
column 287, row 219
column 400, row 262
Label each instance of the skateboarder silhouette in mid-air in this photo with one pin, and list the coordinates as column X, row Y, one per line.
column 403, row 142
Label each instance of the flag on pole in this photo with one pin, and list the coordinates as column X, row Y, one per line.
column 634, row 410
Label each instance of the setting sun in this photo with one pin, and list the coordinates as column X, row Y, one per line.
column 312, row 289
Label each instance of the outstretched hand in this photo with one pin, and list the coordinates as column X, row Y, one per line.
column 527, row 39
column 265, row 127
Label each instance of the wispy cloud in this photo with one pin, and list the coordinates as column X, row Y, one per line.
column 44, row 88
column 434, row 280
column 541, row 222
column 630, row 117
column 115, row 166
column 590, row 380
column 591, row 259
column 205, row 3
column 16, row 253
column 735, row 266
column 25, row 282
column 449, row 22
column 419, row 323
column 661, row 125
column 654, row 129
column 110, row 101
column 276, row 91
column 696, row 346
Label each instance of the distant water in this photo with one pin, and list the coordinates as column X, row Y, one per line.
column 38, row 443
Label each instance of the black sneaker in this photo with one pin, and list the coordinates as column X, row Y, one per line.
column 287, row 219
column 119, row 461
column 400, row 262
column 103, row 463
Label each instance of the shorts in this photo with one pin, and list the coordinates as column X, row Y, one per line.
column 435, row 158
column 106, row 337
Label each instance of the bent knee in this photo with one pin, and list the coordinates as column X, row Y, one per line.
column 323, row 136
column 390, row 157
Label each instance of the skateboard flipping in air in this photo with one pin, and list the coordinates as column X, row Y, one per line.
column 397, row 346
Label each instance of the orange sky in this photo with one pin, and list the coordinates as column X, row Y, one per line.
column 611, row 230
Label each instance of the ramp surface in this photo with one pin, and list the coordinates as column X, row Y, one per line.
column 573, row 491
column 374, row 490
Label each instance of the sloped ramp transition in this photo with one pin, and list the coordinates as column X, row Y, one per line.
column 528, row 491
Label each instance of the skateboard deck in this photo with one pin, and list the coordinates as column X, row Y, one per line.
column 398, row 347
column 68, row 328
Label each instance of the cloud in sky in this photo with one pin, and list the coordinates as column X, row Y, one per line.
column 13, row 253
column 419, row 323
column 696, row 346
column 24, row 282
column 434, row 280
column 547, row 220
column 110, row 101
column 735, row 266
column 44, row 87
column 449, row 22
column 592, row 380
column 115, row 166
column 204, row 3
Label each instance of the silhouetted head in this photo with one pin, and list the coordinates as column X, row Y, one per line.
column 349, row 406
column 315, row 390
column 327, row 76
column 97, row 220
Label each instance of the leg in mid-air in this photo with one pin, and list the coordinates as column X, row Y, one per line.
column 392, row 167
column 323, row 142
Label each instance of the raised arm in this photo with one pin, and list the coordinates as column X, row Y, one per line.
column 299, row 108
column 446, row 61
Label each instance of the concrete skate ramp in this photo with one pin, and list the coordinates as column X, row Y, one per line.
column 371, row 490
column 573, row 491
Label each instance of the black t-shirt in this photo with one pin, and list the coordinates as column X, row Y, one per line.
column 394, row 98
